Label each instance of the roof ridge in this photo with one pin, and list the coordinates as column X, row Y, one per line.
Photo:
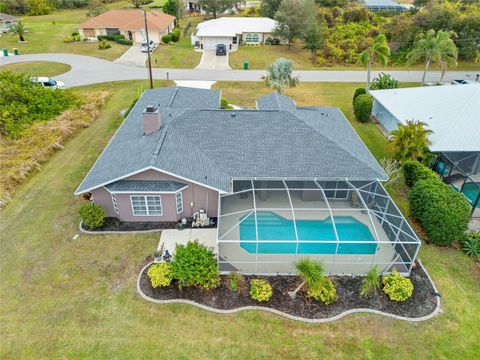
column 172, row 98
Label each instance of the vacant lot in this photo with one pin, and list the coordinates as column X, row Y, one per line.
column 76, row 299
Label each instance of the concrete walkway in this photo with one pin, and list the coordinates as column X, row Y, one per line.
column 133, row 56
column 90, row 70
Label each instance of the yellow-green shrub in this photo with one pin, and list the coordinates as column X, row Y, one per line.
column 160, row 274
column 323, row 291
column 397, row 287
column 260, row 290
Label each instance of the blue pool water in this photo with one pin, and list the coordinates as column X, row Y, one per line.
column 471, row 190
column 274, row 227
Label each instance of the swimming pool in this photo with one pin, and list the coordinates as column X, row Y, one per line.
column 471, row 190
column 272, row 226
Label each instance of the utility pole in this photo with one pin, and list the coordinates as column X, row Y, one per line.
column 148, row 51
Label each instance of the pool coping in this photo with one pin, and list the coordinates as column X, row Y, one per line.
column 435, row 312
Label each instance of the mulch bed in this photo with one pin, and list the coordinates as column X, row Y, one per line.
column 113, row 224
column 421, row 303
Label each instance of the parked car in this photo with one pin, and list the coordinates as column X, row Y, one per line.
column 462, row 82
column 151, row 46
column 221, row 50
column 48, row 82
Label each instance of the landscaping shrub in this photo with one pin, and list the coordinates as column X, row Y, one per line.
column 23, row 102
column 397, row 287
column 358, row 92
column 371, row 282
column 414, row 171
column 124, row 42
column 323, row 291
column 362, row 107
column 92, row 215
column 384, row 81
column 103, row 45
column 234, row 278
column 260, row 290
column 443, row 213
column 175, row 34
column 225, row 105
column 160, row 274
column 471, row 243
column 167, row 39
column 195, row 265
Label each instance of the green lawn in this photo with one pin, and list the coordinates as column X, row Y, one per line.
column 76, row 299
column 38, row 68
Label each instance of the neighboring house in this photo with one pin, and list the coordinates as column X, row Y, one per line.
column 280, row 181
column 191, row 5
column 384, row 5
column 452, row 112
column 233, row 32
column 6, row 22
column 129, row 23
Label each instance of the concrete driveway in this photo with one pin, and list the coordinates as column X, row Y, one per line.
column 210, row 61
column 133, row 57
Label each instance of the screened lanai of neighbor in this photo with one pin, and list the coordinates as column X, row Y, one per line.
column 265, row 225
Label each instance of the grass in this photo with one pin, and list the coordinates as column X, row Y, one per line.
column 38, row 68
column 81, row 293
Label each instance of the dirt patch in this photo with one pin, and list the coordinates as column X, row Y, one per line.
column 422, row 302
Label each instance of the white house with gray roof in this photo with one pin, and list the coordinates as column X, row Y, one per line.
column 297, row 178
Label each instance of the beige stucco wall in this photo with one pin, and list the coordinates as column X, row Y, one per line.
column 195, row 197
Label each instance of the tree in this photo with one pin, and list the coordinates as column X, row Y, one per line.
column 311, row 273
column 268, row 8
column 294, row 17
column 378, row 51
column 18, row 29
column 409, row 142
column 95, row 8
column 279, row 75
column 138, row 3
column 214, row 7
column 175, row 8
column 437, row 48
column 314, row 39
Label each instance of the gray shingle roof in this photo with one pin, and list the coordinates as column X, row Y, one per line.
column 212, row 146
column 144, row 186
column 275, row 101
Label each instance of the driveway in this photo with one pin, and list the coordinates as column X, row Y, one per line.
column 210, row 61
column 132, row 56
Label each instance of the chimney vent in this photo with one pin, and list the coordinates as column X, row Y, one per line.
column 152, row 120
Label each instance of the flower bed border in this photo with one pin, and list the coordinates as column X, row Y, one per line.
column 436, row 312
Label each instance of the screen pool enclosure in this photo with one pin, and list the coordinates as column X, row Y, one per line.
column 265, row 225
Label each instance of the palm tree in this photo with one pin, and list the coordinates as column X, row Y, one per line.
column 379, row 51
column 19, row 30
column 371, row 281
column 279, row 75
column 437, row 48
column 311, row 273
column 409, row 141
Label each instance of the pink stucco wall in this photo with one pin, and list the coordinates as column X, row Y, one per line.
column 195, row 197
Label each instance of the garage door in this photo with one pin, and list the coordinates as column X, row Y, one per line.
column 210, row 43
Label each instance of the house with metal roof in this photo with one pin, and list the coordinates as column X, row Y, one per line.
column 384, row 5
column 452, row 113
column 277, row 182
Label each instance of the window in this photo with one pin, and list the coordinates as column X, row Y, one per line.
column 114, row 202
column 234, row 40
column 253, row 38
column 179, row 202
column 112, row 31
column 146, row 205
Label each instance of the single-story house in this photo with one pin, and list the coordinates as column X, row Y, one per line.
column 384, row 5
column 129, row 23
column 6, row 22
column 191, row 5
column 233, row 32
column 278, row 181
column 452, row 112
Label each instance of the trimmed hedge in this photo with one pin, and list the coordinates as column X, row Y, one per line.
column 362, row 107
column 167, row 39
column 443, row 213
column 414, row 171
column 124, row 42
column 118, row 38
column 175, row 34
column 358, row 92
column 92, row 215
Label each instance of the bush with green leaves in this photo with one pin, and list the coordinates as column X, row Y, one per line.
column 234, row 278
column 358, row 92
column 397, row 287
column 167, row 39
column 414, row 171
column 23, row 102
column 471, row 243
column 384, row 81
column 443, row 212
column 175, row 34
column 92, row 215
column 260, row 290
column 104, row 45
column 124, row 42
column 224, row 104
column 160, row 274
column 195, row 265
column 362, row 107
column 323, row 291
column 371, row 282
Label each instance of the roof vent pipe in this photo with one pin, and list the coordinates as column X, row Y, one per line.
column 233, row 114
column 152, row 120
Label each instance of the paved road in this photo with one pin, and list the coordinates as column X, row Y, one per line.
column 90, row 70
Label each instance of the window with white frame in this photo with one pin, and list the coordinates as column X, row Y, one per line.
column 179, row 202
column 143, row 205
column 114, row 202
column 252, row 38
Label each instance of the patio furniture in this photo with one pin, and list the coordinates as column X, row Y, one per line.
column 200, row 219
